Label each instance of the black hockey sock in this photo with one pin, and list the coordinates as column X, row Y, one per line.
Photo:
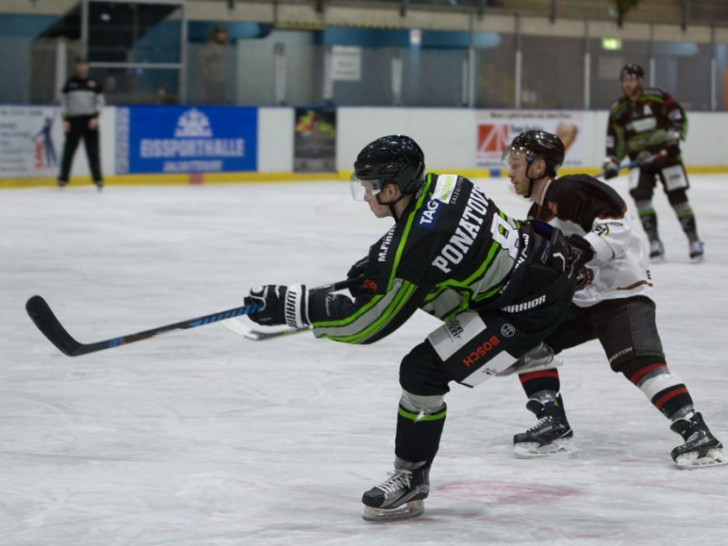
column 418, row 435
column 685, row 216
column 648, row 217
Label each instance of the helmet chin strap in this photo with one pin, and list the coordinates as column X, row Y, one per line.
column 391, row 204
column 531, row 181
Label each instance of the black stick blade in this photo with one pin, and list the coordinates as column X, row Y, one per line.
column 43, row 317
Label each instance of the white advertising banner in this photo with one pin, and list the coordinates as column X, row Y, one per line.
column 31, row 141
column 346, row 63
column 497, row 128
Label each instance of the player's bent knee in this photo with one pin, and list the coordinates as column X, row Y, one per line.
column 677, row 197
column 642, row 194
column 423, row 373
column 418, row 403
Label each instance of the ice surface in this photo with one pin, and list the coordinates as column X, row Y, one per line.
column 204, row 438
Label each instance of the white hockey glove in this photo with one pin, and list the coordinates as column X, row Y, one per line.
column 672, row 138
column 644, row 158
column 610, row 167
column 278, row 304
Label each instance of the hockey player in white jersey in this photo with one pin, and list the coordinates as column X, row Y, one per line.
column 612, row 303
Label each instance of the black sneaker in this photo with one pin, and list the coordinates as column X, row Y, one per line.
column 398, row 497
column 701, row 448
column 551, row 435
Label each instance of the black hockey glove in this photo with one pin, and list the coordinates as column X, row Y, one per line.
column 610, row 167
column 279, row 304
column 580, row 252
column 358, row 270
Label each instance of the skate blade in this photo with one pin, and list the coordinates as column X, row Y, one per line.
column 514, row 368
column 657, row 259
column 697, row 259
column 410, row 510
column 691, row 461
column 532, row 450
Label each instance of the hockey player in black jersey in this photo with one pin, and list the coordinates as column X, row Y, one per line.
column 612, row 304
column 499, row 285
column 648, row 124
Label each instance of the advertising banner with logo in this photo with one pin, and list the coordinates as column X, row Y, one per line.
column 31, row 141
column 186, row 139
column 497, row 128
column 315, row 140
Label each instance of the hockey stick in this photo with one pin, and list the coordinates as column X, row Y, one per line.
column 238, row 327
column 636, row 163
column 46, row 321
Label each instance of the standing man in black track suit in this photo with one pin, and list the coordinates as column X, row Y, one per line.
column 82, row 99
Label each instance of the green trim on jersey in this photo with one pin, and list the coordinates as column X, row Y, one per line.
column 382, row 318
column 408, row 228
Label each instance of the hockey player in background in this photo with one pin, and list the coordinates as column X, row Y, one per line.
column 612, row 303
column 647, row 125
column 500, row 286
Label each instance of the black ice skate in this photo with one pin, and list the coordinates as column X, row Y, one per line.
column 701, row 448
column 657, row 251
column 551, row 435
column 398, row 497
column 697, row 251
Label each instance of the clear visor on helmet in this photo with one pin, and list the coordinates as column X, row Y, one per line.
column 514, row 152
column 362, row 189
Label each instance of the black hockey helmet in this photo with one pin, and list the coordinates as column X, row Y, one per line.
column 632, row 69
column 394, row 158
column 537, row 144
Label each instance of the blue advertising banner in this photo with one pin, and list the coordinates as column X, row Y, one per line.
column 186, row 139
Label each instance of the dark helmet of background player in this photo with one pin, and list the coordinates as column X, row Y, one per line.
column 394, row 158
column 632, row 69
column 538, row 144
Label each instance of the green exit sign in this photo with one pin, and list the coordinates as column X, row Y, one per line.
column 611, row 44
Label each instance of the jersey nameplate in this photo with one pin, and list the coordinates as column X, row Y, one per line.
column 468, row 228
